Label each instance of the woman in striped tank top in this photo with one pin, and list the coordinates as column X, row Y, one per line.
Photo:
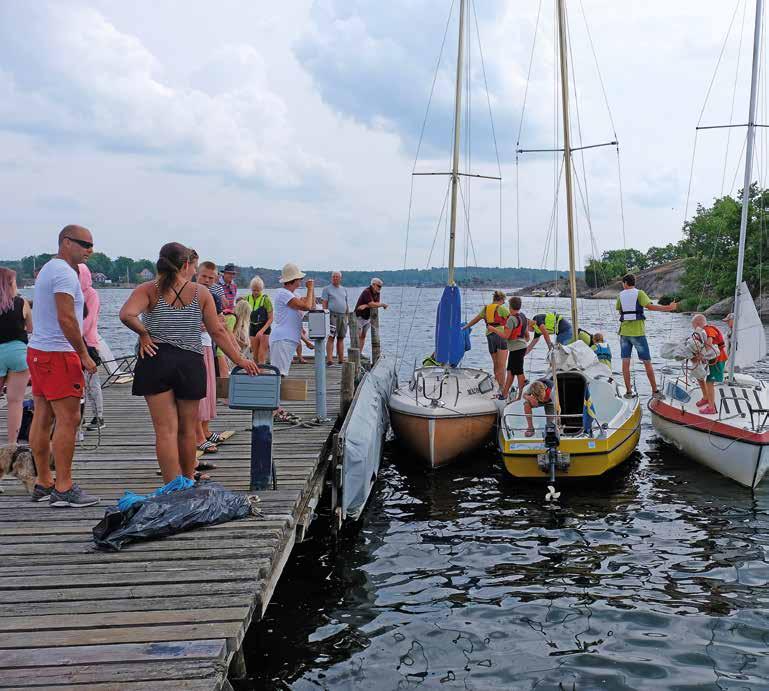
column 170, row 372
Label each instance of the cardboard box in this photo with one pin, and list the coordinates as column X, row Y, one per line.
column 292, row 389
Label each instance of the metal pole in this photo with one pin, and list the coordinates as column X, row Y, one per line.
column 320, row 377
column 746, row 185
column 457, row 129
column 262, row 469
column 567, row 162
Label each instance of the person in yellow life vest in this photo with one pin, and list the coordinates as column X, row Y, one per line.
column 716, row 343
column 516, row 333
column 547, row 324
column 495, row 314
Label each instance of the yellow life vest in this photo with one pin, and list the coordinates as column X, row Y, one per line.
column 492, row 316
column 552, row 320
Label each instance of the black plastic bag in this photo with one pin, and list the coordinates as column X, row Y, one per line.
column 204, row 504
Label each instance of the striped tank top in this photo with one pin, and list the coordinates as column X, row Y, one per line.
column 176, row 326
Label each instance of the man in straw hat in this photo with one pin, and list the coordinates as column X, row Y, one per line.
column 288, row 311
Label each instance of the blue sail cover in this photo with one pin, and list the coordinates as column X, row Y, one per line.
column 449, row 337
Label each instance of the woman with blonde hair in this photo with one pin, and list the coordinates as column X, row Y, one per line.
column 495, row 315
column 15, row 323
column 261, row 320
column 242, row 322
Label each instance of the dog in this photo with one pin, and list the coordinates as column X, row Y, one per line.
column 18, row 461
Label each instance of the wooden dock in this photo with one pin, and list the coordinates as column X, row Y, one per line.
column 166, row 614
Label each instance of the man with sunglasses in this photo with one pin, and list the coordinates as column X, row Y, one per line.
column 57, row 356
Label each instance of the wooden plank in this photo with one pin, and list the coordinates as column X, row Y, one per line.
column 214, row 650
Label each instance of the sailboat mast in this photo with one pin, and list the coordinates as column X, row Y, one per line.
column 746, row 185
column 567, row 162
column 457, row 128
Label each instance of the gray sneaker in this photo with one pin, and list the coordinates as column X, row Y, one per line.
column 41, row 493
column 658, row 395
column 73, row 497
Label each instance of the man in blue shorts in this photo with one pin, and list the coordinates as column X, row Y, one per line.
column 631, row 304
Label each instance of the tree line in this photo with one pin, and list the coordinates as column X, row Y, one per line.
column 126, row 270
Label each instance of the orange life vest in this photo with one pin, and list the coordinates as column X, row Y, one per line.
column 523, row 325
column 717, row 337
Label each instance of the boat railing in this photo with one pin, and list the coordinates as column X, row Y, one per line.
column 435, row 401
column 510, row 429
column 754, row 412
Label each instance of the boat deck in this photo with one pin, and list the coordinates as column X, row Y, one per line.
column 167, row 614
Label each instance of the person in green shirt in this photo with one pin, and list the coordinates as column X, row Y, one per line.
column 631, row 305
column 516, row 333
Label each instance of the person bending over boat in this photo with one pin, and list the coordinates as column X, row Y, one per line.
column 516, row 333
column 495, row 315
column 631, row 304
column 549, row 324
column 714, row 343
column 538, row 393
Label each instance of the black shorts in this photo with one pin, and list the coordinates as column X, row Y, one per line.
column 171, row 369
column 495, row 342
column 253, row 329
column 515, row 361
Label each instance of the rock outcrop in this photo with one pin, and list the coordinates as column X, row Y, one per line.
column 723, row 307
column 664, row 279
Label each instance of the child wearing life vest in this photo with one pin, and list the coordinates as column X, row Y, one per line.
column 714, row 356
column 601, row 349
column 538, row 393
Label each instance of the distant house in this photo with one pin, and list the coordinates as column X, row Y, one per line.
column 146, row 275
column 99, row 277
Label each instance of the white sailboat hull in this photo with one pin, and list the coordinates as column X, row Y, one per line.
column 444, row 413
column 733, row 443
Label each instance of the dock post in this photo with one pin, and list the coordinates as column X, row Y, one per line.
column 375, row 346
column 348, row 386
column 352, row 323
column 262, row 469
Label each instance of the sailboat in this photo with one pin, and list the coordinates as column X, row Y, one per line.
column 734, row 443
column 445, row 411
column 595, row 428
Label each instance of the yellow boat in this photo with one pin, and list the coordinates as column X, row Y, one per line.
column 616, row 423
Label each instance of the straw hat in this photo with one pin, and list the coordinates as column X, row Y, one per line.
column 290, row 273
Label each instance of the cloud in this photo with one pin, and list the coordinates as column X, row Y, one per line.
column 657, row 191
column 71, row 78
column 375, row 63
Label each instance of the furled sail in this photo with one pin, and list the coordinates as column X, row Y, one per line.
column 751, row 338
column 449, row 338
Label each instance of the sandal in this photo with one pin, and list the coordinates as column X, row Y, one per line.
column 207, row 447
column 205, row 465
column 200, row 476
column 215, row 438
column 284, row 416
column 529, row 433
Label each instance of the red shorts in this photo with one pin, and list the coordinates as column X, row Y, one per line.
column 55, row 375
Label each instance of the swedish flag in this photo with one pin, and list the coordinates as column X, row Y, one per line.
column 588, row 413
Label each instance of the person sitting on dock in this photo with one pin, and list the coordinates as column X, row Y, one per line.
column 714, row 343
column 495, row 315
column 538, row 393
column 601, row 349
column 631, row 304
column 516, row 333
column 371, row 297
column 549, row 324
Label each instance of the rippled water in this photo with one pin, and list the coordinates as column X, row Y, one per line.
column 655, row 577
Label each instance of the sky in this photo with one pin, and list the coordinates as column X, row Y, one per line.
column 263, row 133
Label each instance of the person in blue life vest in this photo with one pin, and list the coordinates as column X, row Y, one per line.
column 548, row 324
column 601, row 349
column 631, row 305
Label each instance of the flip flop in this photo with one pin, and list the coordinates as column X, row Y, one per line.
column 207, row 447
column 215, row 438
column 200, row 476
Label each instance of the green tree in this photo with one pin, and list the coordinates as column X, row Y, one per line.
column 99, row 262
column 122, row 270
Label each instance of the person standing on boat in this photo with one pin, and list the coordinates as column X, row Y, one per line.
column 371, row 297
column 601, row 349
column 57, row 356
column 538, row 393
column 495, row 315
column 334, row 298
column 547, row 324
column 516, row 333
column 631, row 304
column 170, row 373
column 714, row 343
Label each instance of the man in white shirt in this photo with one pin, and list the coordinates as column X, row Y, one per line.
column 335, row 300
column 57, row 356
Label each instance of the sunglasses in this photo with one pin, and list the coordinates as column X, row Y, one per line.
column 83, row 243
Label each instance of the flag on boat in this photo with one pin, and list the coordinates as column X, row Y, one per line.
column 588, row 413
column 449, row 337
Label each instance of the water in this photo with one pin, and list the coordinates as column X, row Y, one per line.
column 654, row 577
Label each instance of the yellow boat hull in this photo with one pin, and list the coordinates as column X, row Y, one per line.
column 588, row 457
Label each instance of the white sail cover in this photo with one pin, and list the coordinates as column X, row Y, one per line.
column 751, row 338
